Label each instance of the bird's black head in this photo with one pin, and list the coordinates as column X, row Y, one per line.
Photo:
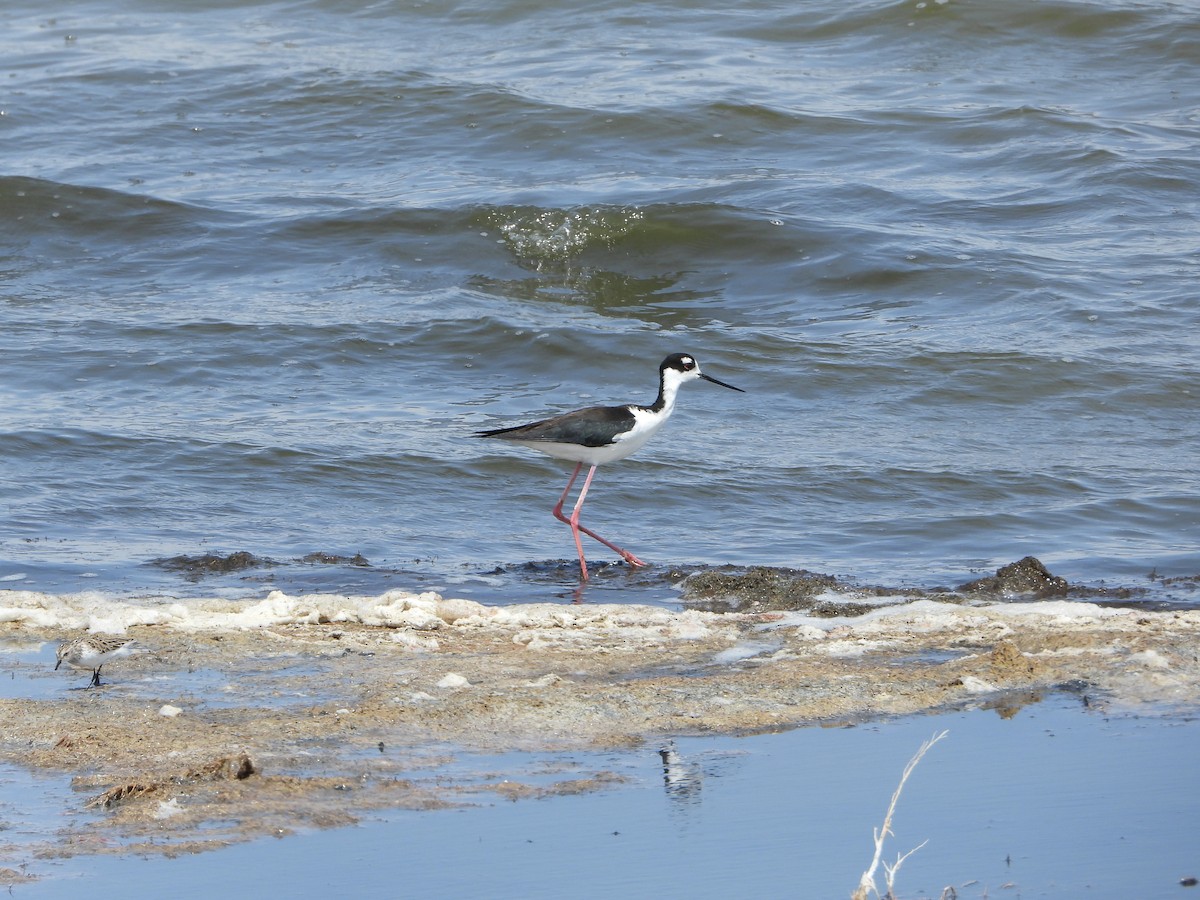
column 681, row 367
column 680, row 362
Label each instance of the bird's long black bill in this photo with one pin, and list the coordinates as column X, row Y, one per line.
column 721, row 383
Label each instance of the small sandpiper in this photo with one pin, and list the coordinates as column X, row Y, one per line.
column 93, row 651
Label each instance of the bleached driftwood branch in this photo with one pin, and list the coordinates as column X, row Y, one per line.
column 866, row 884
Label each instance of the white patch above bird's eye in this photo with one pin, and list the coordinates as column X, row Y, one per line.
column 688, row 362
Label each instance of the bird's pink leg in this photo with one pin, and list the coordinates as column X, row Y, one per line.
column 624, row 554
column 573, row 521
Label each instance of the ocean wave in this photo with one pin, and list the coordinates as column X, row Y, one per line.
column 36, row 206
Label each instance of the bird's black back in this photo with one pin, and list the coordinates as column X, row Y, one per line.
column 595, row 426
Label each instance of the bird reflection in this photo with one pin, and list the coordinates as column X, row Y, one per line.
column 681, row 780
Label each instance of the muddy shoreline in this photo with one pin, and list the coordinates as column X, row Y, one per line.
column 231, row 726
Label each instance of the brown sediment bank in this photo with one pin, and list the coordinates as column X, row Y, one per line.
column 231, row 726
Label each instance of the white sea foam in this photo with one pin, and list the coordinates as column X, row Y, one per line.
column 933, row 615
column 540, row 625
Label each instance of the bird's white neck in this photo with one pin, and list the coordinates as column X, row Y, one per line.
column 668, row 388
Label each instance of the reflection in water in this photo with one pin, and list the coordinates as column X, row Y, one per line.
column 681, row 779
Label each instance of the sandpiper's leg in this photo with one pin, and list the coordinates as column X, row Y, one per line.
column 96, row 677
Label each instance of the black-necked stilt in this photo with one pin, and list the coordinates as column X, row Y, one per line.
column 604, row 434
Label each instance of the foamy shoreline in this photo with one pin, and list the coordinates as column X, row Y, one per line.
column 253, row 712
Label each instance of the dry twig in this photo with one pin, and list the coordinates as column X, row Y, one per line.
column 866, row 884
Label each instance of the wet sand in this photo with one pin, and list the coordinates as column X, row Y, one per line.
column 243, row 720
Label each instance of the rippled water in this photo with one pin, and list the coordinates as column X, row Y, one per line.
column 264, row 267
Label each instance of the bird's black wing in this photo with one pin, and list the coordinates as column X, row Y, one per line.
column 592, row 427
